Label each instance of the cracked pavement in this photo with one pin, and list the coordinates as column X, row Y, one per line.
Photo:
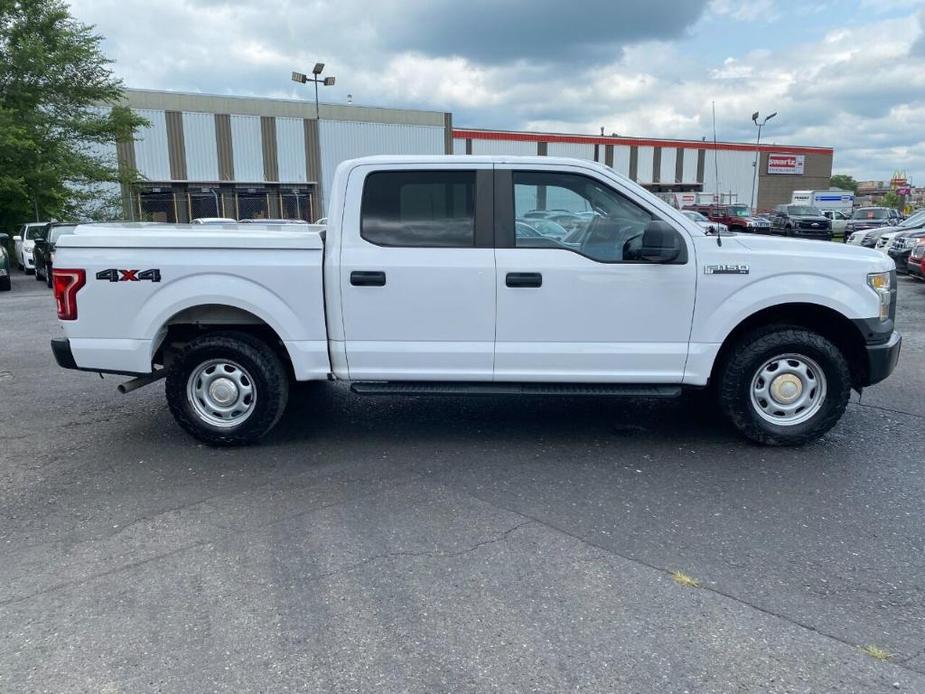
column 490, row 544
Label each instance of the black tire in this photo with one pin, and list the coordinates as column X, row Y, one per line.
column 259, row 362
column 737, row 375
column 6, row 284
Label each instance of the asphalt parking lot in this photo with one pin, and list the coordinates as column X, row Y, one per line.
column 408, row 544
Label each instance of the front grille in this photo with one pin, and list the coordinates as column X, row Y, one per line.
column 814, row 226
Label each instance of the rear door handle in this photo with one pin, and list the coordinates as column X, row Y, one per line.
column 524, row 279
column 367, row 278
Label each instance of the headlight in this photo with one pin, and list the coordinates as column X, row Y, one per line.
column 882, row 284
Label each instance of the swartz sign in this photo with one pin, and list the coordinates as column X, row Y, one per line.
column 785, row 163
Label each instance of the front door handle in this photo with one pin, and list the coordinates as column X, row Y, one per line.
column 367, row 278
column 524, row 279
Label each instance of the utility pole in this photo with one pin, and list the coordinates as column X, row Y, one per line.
column 753, row 201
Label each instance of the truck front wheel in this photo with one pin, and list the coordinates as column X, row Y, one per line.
column 227, row 388
column 784, row 385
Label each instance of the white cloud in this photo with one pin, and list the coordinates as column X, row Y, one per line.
column 858, row 86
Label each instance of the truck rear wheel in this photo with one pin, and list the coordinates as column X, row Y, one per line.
column 784, row 385
column 227, row 388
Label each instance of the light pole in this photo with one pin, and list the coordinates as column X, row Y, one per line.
column 754, row 203
column 317, row 79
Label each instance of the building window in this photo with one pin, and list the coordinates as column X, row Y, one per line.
column 252, row 205
column 157, row 206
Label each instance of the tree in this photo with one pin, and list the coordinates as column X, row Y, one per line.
column 891, row 199
column 59, row 116
column 845, row 182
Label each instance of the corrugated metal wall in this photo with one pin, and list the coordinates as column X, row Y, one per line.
column 570, row 149
column 644, row 164
column 199, row 146
column 621, row 159
column 666, row 170
column 247, row 146
column 515, row 147
column 690, row 166
column 735, row 173
column 151, row 156
column 459, row 145
column 290, row 150
column 342, row 140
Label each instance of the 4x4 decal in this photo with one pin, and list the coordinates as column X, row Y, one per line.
column 114, row 275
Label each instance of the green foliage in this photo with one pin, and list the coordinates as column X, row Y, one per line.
column 891, row 199
column 56, row 116
column 845, row 182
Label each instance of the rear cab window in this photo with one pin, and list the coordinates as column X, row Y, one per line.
column 419, row 209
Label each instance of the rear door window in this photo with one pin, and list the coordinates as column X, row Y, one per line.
column 420, row 209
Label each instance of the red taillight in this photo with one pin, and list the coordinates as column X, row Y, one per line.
column 67, row 284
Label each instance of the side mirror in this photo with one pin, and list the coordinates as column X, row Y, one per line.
column 661, row 243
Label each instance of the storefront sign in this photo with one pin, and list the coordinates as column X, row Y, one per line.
column 785, row 163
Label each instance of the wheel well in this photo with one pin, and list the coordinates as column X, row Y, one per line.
column 196, row 321
column 826, row 321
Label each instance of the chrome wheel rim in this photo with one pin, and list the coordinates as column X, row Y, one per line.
column 222, row 393
column 788, row 389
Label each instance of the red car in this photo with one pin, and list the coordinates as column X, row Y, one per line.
column 916, row 262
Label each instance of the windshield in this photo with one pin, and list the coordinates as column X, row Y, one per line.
column 871, row 213
column 915, row 220
column 696, row 216
column 33, row 233
column 57, row 232
column 738, row 211
column 804, row 210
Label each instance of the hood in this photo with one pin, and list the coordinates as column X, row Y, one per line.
column 810, row 217
column 818, row 249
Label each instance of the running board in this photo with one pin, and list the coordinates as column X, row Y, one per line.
column 463, row 388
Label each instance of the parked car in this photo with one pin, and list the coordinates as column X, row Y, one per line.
column 885, row 239
column 704, row 223
column 916, row 264
column 44, row 250
column 800, row 221
column 735, row 217
column 272, row 221
column 547, row 228
column 865, row 218
column 902, row 246
column 24, row 243
column 420, row 286
column 839, row 221
column 214, row 220
column 6, row 265
column 871, row 237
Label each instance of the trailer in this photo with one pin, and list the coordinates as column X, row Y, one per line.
column 832, row 199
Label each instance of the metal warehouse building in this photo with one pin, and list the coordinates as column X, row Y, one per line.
column 243, row 157
column 227, row 156
column 666, row 166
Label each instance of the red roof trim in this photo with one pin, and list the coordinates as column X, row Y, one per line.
column 631, row 141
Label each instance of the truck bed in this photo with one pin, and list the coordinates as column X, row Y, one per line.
column 151, row 275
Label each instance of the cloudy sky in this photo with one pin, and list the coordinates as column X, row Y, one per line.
column 845, row 74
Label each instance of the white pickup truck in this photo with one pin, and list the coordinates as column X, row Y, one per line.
column 478, row 275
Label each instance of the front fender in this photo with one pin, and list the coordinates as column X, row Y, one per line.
column 719, row 310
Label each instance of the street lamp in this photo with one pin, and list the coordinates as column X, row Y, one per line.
column 760, row 125
column 317, row 79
